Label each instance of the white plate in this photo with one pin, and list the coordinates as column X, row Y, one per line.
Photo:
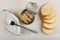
column 11, row 17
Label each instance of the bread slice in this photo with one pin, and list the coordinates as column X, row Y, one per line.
column 46, row 9
column 52, row 15
column 46, row 25
column 47, row 31
column 50, row 21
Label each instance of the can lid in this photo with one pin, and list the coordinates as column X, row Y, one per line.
column 32, row 7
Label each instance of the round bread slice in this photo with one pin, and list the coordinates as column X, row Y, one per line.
column 47, row 31
column 46, row 9
column 49, row 26
column 52, row 15
column 50, row 21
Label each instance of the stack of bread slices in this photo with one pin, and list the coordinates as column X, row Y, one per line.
column 48, row 17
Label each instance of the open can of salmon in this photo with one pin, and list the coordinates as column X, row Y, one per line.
column 28, row 14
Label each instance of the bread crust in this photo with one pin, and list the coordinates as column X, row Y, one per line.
column 49, row 26
column 53, row 20
column 47, row 31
